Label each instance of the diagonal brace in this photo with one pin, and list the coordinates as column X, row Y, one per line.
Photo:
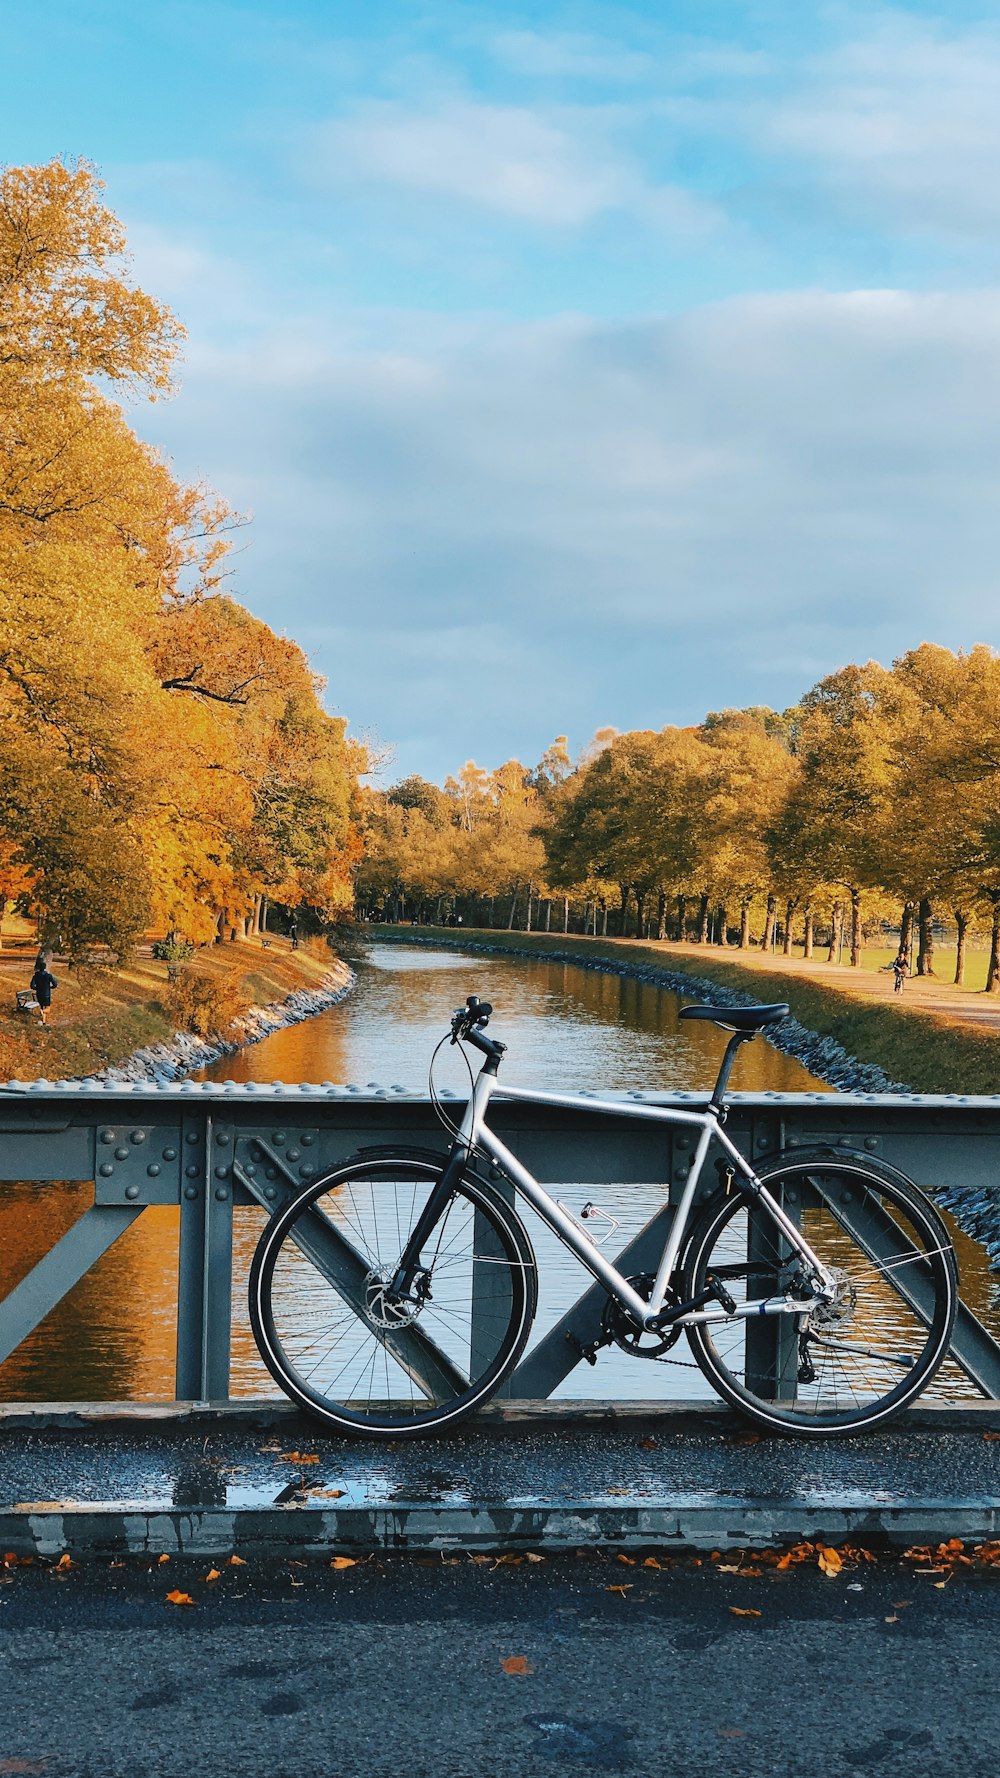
column 344, row 1269
column 62, row 1267
column 878, row 1235
column 558, row 1352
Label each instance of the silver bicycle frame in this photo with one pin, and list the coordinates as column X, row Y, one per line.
column 474, row 1133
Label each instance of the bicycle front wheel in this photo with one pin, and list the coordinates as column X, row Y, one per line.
column 336, row 1341
column 847, row 1364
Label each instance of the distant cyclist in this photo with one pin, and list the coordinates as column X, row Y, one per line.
column 900, row 970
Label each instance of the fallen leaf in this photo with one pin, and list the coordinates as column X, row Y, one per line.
column 162, row 1559
column 829, row 1561
column 901, row 1604
column 510, row 1561
column 890, row 1620
column 622, row 1590
column 327, row 1493
column 991, row 1435
column 213, row 1574
column 728, row 1568
column 344, row 1562
column 178, row 1598
column 299, row 1457
column 236, row 1561
column 740, row 1611
column 939, row 1585
column 516, row 1664
column 651, row 1562
column 629, row 1561
column 64, row 1563
column 531, row 1557
column 480, row 1559
column 647, row 1444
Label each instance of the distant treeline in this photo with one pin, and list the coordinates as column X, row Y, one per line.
column 166, row 760
column 877, row 797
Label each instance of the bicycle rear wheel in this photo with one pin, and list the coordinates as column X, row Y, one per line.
column 334, row 1339
column 856, row 1362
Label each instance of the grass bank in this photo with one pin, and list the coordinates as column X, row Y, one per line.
column 100, row 1017
column 932, row 1053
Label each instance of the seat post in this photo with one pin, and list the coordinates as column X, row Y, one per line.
column 726, row 1066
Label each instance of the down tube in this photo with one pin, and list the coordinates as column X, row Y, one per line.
column 564, row 1226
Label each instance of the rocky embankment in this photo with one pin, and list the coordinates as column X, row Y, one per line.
column 164, row 1062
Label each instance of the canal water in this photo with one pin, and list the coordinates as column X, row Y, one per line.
column 566, row 1028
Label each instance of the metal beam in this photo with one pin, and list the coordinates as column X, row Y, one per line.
column 62, row 1267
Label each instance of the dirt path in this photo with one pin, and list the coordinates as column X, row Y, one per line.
column 925, row 994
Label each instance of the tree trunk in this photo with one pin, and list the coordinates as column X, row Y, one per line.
column 722, row 925
column 836, row 931
column 565, row 913
column 604, row 920
column 527, row 925
column 772, row 903
column 744, row 924
column 906, row 932
column 807, row 936
column 789, row 911
column 855, row 928
column 640, row 912
column 661, row 916
column 624, row 895
column 220, row 926
column 703, row 919
column 548, row 916
column 3, row 910
column 925, row 922
column 513, row 905
column 993, row 971
column 681, row 918
column 962, row 922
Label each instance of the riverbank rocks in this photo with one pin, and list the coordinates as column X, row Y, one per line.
column 165, row 1062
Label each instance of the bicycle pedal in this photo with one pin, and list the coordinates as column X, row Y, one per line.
column 722, row 1296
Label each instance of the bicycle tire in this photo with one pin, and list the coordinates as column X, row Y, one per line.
column 451, row 1352
column 835, row 1195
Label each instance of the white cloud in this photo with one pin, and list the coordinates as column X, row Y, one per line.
column 560, row 170
column 902, row 120
column 625, row 523
column 569, row 54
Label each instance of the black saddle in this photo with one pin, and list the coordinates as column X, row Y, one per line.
column 737, row 1018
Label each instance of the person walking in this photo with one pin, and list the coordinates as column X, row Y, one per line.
column 42, row 983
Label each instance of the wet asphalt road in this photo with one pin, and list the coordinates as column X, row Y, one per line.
column 396, row 1667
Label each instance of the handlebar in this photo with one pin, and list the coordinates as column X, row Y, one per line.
column 468, row 1025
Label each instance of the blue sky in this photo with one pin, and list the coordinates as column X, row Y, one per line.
column 579, row 365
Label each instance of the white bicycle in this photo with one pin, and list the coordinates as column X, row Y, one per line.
column 393, row 1296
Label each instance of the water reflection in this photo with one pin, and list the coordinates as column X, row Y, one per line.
column 567, row 1028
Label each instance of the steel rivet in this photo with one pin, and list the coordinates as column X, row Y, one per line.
column 170, row 1154
column 153, row 1170
column 138, row 1136
column 191, row 1172
column 122, row 1154
column 270, row 1173
column 249, row 1169
column 307, row 1139
column 270, row 1191
column 222, row 1138
column 106, row 1170
column 871, row 1142
column 293, row 1154
column 222, row 1172
column 190, row 1191
column 107, row 1135
column 307, row 1170
column 279, row 1136
column 221, row 1193
column 131, row 1191
column 192, row 1136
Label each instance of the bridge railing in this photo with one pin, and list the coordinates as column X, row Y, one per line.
column 211, row 1147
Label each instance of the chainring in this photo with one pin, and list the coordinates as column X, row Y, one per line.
column 622, row 1331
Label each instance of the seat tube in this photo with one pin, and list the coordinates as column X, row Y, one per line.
column 682, row 1215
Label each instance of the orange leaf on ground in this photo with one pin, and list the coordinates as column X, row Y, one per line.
column 163, row 1558
column 830, row 1562
column 628, row 1560
column 740, row 1611
column 178, row 1598
column 236, row 1561
column 651, row 1562
column 65, row 1562
column 516, row 1664
column 213, row 1574
column 344, row 1562
column 627, row 1588
column 530, row 1556
column 299, row 1457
